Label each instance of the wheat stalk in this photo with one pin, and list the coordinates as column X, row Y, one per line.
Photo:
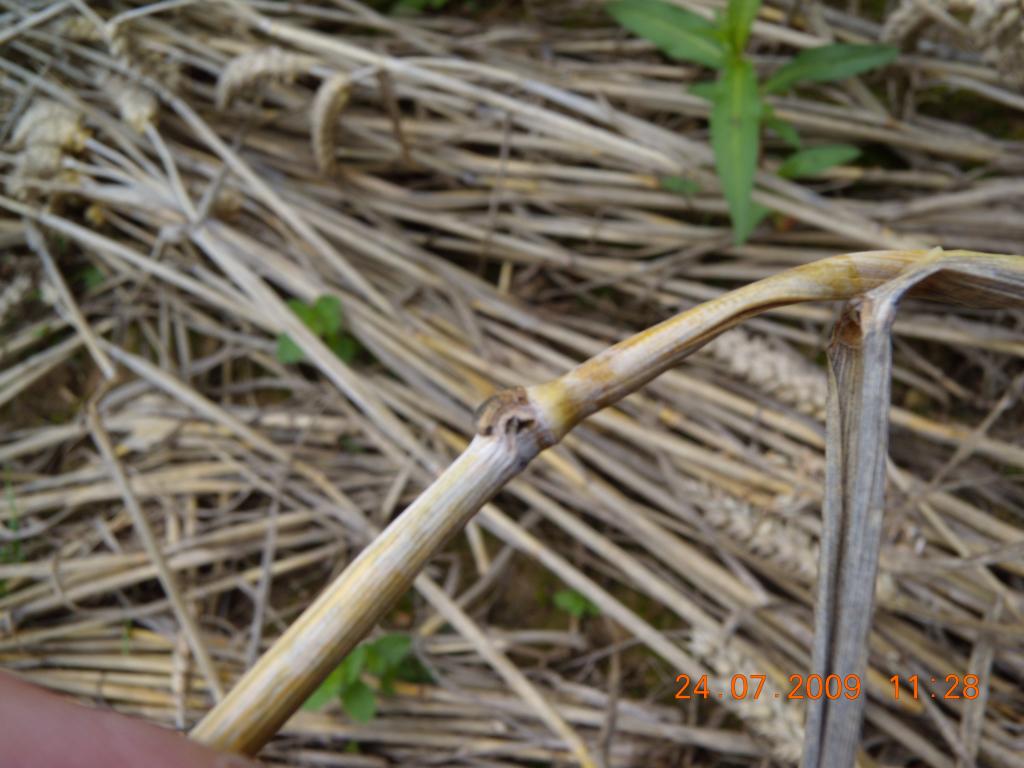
column 776, row 720
column 773, row 367
column 860, row 376
column 43, row 134
column 331, row 98
column 573, row 167
column 761, row 532
column 998, row 27
column 904, row 22
column 261, row 64
column 78, row 28
column 48, row 122
column 137, row 105
column 512, row 428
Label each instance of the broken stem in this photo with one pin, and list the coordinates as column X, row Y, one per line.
column 513, row 427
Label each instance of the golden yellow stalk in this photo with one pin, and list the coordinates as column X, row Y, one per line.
column 512, row 428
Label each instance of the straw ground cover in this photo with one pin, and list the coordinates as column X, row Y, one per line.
column 484, row 196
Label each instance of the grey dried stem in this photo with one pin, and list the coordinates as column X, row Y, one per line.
column 859, row 394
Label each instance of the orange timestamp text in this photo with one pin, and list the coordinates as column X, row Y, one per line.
column 815, row 686
column 949, row 687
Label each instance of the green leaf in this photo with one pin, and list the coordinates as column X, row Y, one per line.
column 328, row 313
column 359, row 702
column 386, row 683
column 288, row 351
column 353, row 665
column 705, row 90
column 811, row 162
column 679, row 33
column 760, row 213
column 326, row 691
column 784, row 130
column 575, row 604
column 91, row 277
column 392, row 648
column 309, row 318
column 739, row 18
column 411, row 670
column 679, row 185
column 735, row 127
column 344, row 346
column 830, row 62
column 374, row 663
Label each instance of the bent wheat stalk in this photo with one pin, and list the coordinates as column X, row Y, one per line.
column 516, row 425
column 860, row 374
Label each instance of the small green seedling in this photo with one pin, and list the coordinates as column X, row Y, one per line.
column 575, row 604
column 324, row 318
column 738, row 108
column 90, row 277
column 387, row 658
column 812, row 161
